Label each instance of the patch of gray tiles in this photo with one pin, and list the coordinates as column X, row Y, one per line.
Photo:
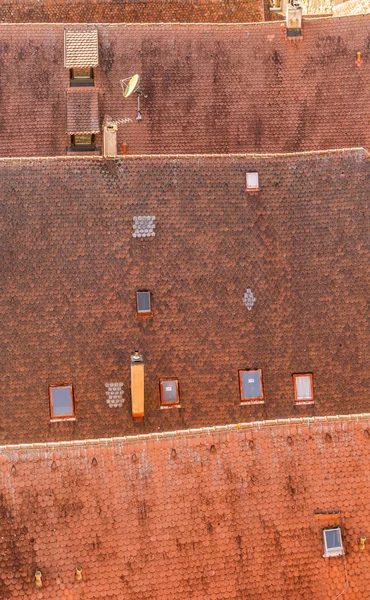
column 114, row 394
column 249, row 299
column 144, row 226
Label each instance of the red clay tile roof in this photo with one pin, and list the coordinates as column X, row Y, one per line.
column 215, row 515
column 71, row 265
column 82, row 110
column 81, row 47
column 210, row 88
column 143, row 11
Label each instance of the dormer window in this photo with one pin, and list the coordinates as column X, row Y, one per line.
column 81, row 76
column 333, row 542
column 83, row 141
column 82, row 118
column 252, row 182
column 61, row 400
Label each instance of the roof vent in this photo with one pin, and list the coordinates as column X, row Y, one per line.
column 294, row 20
column 38, row 579
column 359, row 60
column 362, row 543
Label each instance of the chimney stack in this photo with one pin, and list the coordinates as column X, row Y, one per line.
column 294, row 20
column 137, row 386
column 110, row 140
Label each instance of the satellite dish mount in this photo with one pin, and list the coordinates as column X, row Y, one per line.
column 131, row 86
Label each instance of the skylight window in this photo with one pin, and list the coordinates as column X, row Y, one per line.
column 251, row 386
column 303, row 388
column 333, row 542
column 61, row 401
column 252, row 181
column 143, row 303
column 169, row 389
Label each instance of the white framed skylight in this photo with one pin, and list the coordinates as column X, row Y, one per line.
column 252, row 181
column 333, row 542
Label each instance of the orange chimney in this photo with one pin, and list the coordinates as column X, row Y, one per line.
column 137, row 386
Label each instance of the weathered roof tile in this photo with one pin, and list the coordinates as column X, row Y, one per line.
column 216, row 519
column 201, row 84
column 131, row 11
column 71, row 267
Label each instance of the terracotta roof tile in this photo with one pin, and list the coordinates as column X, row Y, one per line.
column 201, row 83
column 234, row 523
column 81, row 48
column 82, row 110
column 116, row 11
column 71, row 267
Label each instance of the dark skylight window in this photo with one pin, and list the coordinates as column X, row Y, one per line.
column 169, row 391
column 143, row 303
column 251, row 389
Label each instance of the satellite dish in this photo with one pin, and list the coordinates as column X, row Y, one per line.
column 131, row 86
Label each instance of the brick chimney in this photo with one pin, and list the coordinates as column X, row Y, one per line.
column 110, row 140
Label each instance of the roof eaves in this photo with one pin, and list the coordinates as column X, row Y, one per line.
column 359, row 418
column 359, row 150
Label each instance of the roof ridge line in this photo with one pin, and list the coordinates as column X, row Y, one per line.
column 307, row 18
column 183, row 433
column 249, row 154
column 153, row 24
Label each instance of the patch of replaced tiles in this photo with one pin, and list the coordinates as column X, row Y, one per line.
column 249, row 299
column 114, row 394
column 144, row 226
